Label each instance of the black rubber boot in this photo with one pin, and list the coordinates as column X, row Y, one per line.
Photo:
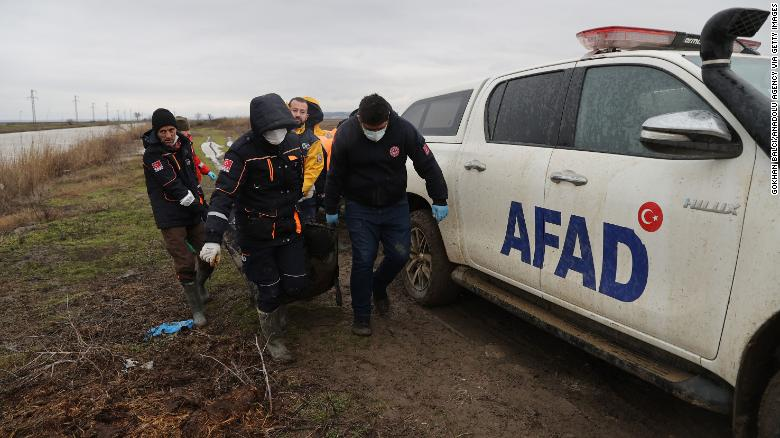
column 196, row 304
column 270, row 324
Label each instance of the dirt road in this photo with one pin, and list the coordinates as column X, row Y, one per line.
column 472, row 369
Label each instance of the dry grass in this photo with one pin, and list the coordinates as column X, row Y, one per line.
column 226, row 124
column 25, row 178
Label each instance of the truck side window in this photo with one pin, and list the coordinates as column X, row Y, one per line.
column 440, row 115
column 530, row 110
column 492, row 109
column 616, row 100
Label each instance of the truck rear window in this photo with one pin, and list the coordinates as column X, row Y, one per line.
column 440, row 115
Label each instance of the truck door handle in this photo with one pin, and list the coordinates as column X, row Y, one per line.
column 476, row 165
column 569, row 176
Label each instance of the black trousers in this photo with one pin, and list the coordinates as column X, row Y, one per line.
column 278, row 271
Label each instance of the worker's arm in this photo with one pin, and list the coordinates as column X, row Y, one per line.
column 163, row 172
column 312, row 166
column 334, row 183
column 426, row 166
column 231, row 176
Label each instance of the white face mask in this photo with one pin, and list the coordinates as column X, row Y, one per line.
column 275, row 136
column 375, row 135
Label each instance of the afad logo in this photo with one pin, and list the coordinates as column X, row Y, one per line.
column 517, row 238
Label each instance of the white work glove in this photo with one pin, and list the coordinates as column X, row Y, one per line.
column 210, row 253
column 187, row 200
column 308, row 195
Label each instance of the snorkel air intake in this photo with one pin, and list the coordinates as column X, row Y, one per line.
column 749, row 106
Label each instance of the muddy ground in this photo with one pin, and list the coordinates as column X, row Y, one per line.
column 466, row 370
column 469, row 369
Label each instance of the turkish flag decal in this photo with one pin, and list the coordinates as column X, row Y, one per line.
column 650, row 216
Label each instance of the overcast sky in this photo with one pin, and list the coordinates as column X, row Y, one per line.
column 213, row 57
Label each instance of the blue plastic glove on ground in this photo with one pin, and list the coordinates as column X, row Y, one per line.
column 169, row 328
column 212, row 175
column 332, row 219
column 440, row 212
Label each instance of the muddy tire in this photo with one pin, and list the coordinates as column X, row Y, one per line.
column 427, row 273
column 769, row 412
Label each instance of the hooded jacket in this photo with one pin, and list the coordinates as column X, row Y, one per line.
column 264, row 181
column 169, row 174
column 374, row 173
column 316, row 116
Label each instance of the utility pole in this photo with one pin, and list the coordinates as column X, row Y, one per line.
column 32, row 100
column 93, row 112
column 76, row 105
column 107, row 112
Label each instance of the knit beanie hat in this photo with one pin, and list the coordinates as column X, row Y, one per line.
column 162, row 117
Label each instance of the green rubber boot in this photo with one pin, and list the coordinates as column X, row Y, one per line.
column 203, row 274
column 270, row 324
column 196, row 304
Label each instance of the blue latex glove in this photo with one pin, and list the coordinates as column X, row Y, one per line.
column 168, row 328
column 440, row 212
column 212, row 175
column 332, row 219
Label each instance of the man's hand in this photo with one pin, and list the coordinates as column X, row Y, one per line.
column 212, row 175
column 308, row 195
column 440, row 212
column 332, row 219
column 187, row 200
column 210, row 253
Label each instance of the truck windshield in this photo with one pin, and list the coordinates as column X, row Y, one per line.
column 753, row 70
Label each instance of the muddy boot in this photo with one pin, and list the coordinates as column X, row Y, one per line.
column 270, row 324
column 201, row 276
column 193, row 299
column 381, row 304
column 361, row 326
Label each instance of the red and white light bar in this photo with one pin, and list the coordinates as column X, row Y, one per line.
column 628, row 38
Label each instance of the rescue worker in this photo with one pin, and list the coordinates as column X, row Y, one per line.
column 314, row 161
column 316, row 116
column 263, row 175
column 368, row 167
column 183, row 126
column 178, row 205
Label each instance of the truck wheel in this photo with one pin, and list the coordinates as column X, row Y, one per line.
column 769, row 412
column 427, row 273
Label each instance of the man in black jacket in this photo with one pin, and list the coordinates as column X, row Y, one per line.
column 177, row 205
column 368, row 167
column 263, row 175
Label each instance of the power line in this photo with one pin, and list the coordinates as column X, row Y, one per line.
column 32, row 101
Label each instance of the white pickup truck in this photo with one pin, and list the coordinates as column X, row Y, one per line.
column 625, row 202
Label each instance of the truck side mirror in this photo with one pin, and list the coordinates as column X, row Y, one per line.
column 692, row 134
